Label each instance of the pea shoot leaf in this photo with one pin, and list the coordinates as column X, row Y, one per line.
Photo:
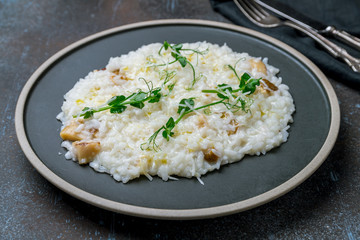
column 139, row 96
column 251, row 85
column 116, row 100
column 184, row 104
column 170, row 123
column 171, row 87
column 183, row 61
column 155, row 95
column 117, row 109
column 138, row 105
column 223, row 88
column 169, row 126
column 177, row 47
column 244, row 78
column 87, row 112
column 166, row 45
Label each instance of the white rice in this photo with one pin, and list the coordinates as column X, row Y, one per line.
column 121, row 135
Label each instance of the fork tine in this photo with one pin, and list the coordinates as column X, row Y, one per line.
column 260, row 8
column 247, row 11
column 255, row 8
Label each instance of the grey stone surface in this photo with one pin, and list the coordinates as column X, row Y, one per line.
column 324, row 207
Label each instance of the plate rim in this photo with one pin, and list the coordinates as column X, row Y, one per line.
column 179, row 214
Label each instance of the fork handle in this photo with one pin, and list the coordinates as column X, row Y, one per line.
column 343, row 36
column 331, row 47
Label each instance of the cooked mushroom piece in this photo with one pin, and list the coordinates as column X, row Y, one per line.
column 269, row 84
column 85, row 151
column 234, row 123
column 210, row 156
column 258, row 65
column 266, row 86
column 69, row 132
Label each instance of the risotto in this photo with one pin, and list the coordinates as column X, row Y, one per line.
column 175, row 110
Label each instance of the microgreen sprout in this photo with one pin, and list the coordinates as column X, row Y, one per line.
column 118, row 104
column 232, row 99
column 167, row 76
column 247, row 86
column 176, row 50
column 186, row 106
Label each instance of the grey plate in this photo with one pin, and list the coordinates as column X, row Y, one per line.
column 236, row 187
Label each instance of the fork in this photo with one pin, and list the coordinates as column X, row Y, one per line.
column 256, row 14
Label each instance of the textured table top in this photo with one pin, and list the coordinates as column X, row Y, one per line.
column 324, row 207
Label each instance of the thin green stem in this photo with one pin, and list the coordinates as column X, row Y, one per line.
column 198, row 108
column 210, row 91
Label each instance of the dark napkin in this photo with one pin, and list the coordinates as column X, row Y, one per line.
column 343, row 14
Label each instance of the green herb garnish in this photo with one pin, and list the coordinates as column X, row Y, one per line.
column 118, row 104
column 186, row 106
column 233, row 99
column 247, row 86
column 230, row 98
column 176, row 50
column 167, row 76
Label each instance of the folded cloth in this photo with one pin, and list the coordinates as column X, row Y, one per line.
column 343, row 14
